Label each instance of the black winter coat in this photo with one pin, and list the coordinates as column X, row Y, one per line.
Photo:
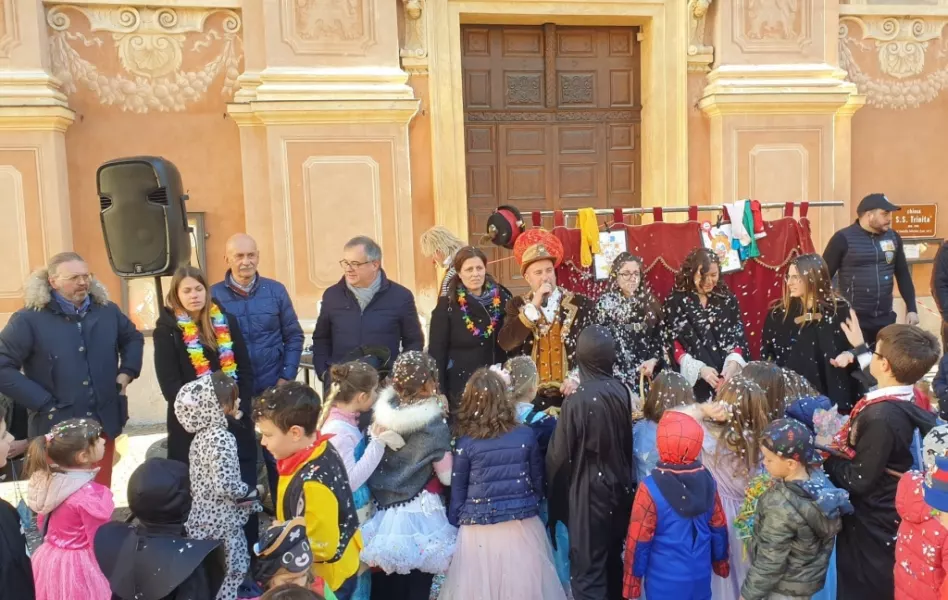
column 708, row 333
column 458, row 352
column 16, row 573
column 63, row 366
column 881, row 435
column 174, row 369
column 940, row 281
column 635, row 323
column 808, row 348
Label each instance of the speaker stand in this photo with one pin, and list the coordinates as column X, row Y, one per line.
column 158, row 290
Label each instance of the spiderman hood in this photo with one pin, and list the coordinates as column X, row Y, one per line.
column 683, row 481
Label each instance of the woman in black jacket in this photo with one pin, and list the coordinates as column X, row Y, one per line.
column 703, row 326
column 194, row 337
column 465, row 323
column 633, row 316
column 803, row 332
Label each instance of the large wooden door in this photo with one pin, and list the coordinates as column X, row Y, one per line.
column 552, row 120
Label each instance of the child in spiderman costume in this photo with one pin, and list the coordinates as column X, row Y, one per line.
column 678, row 531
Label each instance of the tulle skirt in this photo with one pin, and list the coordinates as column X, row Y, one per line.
column 409, row 537
column 61, row 574
column 504, row 561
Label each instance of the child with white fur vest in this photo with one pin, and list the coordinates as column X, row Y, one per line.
column 410, row 537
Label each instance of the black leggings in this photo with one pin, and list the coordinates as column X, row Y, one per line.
column 414, row 586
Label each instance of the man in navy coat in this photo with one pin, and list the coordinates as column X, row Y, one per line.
column 267, row 321
column 70, row 353
column 365, row 308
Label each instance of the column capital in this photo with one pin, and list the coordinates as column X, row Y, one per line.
column 776, row 89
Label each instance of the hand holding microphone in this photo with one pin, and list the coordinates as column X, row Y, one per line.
column 542, row 294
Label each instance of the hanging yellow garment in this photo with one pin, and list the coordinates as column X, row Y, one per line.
column 588, row 235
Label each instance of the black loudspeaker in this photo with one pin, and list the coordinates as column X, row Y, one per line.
column 144, row 220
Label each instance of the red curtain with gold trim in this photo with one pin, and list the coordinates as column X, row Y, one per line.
column 663, row 247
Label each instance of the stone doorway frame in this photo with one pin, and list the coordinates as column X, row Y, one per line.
column 664, row 88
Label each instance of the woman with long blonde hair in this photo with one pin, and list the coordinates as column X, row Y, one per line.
column 803, row 332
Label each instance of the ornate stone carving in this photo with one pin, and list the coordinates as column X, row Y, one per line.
column 9, row 30
column 414, row 51
column 901, row 46
column 773, row 25
column 336, row 27
column 150, row 44
column 576, row 89
column 523, row 89
column 700, row 55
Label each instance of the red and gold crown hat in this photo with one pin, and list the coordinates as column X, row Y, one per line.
column 537, row 244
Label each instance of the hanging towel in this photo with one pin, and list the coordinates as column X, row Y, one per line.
column 588, row 235
column 750, row 250
column 758, row 220
column 739, row 235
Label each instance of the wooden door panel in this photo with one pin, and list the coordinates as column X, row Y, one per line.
column 552, row 121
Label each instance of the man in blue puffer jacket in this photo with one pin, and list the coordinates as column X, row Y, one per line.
column 267, row 320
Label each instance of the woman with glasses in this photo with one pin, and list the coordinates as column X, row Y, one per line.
column 465, row 323
column 703, row 328
column 803, row 332
column 634, row 316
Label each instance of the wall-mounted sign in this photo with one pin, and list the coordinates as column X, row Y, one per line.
column 915, row 220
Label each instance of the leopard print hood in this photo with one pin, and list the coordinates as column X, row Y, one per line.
column 197, row 407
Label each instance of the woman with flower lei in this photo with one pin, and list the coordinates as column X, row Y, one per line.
column 465, row 323
column 193, row 338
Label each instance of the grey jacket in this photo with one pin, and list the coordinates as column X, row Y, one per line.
column 795, row 528
column 403, row 474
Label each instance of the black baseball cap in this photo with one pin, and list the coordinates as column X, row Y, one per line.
column 875, row 201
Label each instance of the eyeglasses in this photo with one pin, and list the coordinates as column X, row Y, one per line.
column 79, row 277
column 352, row 264
column 626, row 276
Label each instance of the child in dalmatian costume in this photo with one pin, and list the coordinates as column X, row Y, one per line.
column 221, row 501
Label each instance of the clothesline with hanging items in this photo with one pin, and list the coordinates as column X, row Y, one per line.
column 754, row 254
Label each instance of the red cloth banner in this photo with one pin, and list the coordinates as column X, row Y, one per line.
column 663, row 247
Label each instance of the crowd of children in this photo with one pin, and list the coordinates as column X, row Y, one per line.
column 605, row 499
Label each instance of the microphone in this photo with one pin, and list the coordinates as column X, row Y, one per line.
column 546, row 298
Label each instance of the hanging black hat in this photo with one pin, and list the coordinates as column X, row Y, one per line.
column 504, row 225
column 378, row 357
column 283, row 546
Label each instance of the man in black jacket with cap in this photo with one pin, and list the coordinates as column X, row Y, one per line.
column 869, row 258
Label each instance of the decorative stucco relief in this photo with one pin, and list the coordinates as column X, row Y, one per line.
column 414, row 50
column 910, row 52
column 334, row 27
column 773, row 25
column 700, row 54
column 151, row 45
column 9, row 30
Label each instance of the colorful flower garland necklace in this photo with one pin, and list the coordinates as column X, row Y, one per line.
column 225, row 345
column 495, row 311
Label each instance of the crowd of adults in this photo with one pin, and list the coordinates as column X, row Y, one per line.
column 71, row 353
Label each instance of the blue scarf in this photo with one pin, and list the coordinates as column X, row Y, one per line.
column 69, row 308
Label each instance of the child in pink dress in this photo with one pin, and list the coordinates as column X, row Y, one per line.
column 71, row 508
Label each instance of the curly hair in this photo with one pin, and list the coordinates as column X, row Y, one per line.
column 485, row 411
column 653, row 308
column 698, row 261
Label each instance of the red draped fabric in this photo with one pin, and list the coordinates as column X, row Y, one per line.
column 663, row 247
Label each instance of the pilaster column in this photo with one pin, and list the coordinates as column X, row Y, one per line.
column 34, row 115
column 780, row 106
column 323, row 110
